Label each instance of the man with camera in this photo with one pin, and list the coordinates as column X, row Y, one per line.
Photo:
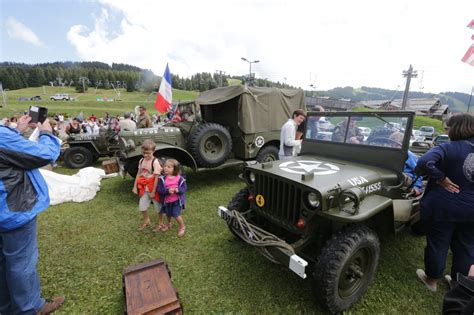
column 23, row 195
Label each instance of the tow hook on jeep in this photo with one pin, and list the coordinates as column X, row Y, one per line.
column 269, row 245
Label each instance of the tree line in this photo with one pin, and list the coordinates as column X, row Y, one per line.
column 83, row 75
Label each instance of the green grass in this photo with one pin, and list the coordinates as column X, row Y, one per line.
column 84, row 248
column 85, row 102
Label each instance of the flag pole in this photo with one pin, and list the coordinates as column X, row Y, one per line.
column 470, row 97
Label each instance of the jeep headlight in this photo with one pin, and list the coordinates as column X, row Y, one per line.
column 251, row 177
column 313, row 200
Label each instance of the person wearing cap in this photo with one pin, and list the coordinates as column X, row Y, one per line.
column 143, row 121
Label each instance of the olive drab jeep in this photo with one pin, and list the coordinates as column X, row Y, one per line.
column 226, row 125
column 82, row 150
column 320, row 214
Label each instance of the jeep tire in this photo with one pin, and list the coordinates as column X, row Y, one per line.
column 267, row 154
column 78, row 157
column 239, row 203
column 210, row 144
column 345, row 267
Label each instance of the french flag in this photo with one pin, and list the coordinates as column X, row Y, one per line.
column 165, row 94
column 469, row 56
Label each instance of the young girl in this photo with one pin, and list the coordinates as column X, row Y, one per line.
column 171, row 188
column 149, row 169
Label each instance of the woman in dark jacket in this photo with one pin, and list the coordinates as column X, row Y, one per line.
column 447, row 207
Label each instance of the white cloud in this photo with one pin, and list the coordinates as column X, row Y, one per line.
column 18, row 30
column 341, row 42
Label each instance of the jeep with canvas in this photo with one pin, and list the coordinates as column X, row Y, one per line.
column 321, row 213
column 222, row 126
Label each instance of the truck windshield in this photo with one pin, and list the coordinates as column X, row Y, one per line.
column 372, row 130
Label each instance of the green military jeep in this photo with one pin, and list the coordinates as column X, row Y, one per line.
column 222, row 126
column 81, row 150
column 321, row 213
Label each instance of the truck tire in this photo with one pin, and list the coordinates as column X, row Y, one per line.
column 267, row 154
column 78, row 157
column 131, row 166
column 210, row 144
column 345, row 268
column 239, row 203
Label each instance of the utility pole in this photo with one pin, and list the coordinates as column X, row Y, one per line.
column 220, row 73
column 407, row 74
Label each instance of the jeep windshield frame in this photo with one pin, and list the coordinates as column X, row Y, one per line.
column 386, row 146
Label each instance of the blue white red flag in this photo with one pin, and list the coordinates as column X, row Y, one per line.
column 165, row 94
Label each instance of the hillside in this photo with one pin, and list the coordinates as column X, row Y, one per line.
column 457, row 102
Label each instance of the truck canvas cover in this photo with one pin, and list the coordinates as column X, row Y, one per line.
column 259, row 108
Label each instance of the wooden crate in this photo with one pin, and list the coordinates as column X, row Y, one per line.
column 110, row 166
column 148, row 289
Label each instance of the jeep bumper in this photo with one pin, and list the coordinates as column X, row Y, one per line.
column 294, row 262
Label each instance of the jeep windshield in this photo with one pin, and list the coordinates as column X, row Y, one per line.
column 373, row 137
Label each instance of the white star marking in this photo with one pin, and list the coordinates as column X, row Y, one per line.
column 302, row 167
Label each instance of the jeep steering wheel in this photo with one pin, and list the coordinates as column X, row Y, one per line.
column 384, row 142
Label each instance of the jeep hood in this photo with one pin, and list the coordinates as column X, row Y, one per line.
column 259, row 108
column 328, row 173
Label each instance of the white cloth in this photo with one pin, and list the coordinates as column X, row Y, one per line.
column 288, row 139
column 80, row 187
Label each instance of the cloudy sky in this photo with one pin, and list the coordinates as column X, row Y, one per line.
column 303, row 42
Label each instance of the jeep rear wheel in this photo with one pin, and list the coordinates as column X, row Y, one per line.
column 210, row 144
column 240, row 203
column 267, row 154
column 345, row 268
column 77, row 157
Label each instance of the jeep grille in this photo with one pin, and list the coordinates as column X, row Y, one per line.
column 282, row 199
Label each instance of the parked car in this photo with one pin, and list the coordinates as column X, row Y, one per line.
column 416, row 136
column 321, row 214
column 427, row 131
column 230, row 125
column 60, row 97
column 441, row 139
column 35, row 98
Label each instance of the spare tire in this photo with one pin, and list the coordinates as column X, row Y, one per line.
column 210, row 144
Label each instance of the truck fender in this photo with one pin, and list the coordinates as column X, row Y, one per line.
column 183, row 156
column 88, row 144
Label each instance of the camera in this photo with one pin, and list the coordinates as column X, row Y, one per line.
column 38, row 114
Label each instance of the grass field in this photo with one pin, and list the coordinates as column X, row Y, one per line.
column 84, row 248
column 85, row 102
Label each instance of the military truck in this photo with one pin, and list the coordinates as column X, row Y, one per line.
column 321, row 213
column 222, row 126
column 82, row 150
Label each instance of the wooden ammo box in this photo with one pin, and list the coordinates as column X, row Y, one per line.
column 110, row 166
column 148, row 289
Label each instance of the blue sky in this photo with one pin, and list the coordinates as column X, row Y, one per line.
column 303, row 42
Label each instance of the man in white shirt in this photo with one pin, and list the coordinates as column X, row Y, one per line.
column 127, row 123
column 288, row 144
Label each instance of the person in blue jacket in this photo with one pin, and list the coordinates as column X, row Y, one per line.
column 23, row 195
column 447, row 207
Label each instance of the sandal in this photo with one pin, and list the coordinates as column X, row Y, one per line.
column 422, row 276
column 144, row 226
column 181, row 231
column 158, row 227
column 166, row 227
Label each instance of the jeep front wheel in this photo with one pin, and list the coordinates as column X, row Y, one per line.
column 77, row 157
column 210, row 144
column 267, row 154
column 345, row 268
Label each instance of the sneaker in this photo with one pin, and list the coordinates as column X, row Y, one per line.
column 449, row 280
column 51, row 305
column 422, row 276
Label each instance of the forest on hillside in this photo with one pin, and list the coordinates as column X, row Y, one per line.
column 83, row 75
